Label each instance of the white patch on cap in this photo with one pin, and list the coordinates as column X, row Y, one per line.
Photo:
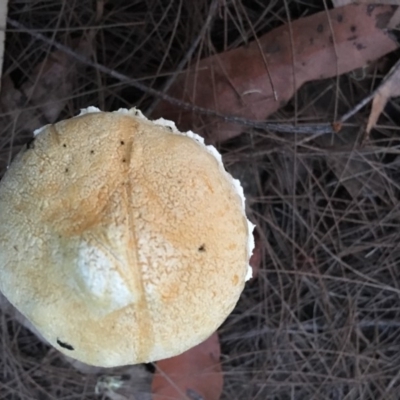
column 166, row 122
column 101, row 278
column 211, row 149
column 88, row 110
column 250, row 247
column 39, row 130
column 131, row 112
column 217, row 155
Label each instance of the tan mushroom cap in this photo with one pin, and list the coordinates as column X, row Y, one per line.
column 122, row 240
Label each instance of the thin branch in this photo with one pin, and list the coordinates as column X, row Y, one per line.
column 189, row 53
column 319, row 129
column 370, row 97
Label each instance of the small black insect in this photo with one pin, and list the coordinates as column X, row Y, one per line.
column 64, row 345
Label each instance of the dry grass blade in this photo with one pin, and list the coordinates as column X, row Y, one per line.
column 3, row 18
column 253, row 81
column 321, row 321
column 195, row 374
column 389, row 88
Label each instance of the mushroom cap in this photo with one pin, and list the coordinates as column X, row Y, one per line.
column 122, row 240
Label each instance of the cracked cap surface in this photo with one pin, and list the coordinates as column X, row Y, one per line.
column 121, row 241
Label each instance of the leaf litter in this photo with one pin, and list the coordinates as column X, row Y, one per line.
column 324, row 302
column 253, row 81
column 194, row 375
column 389, row 88
column 41, row 98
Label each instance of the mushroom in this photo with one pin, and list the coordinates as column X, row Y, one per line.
column 122, row 240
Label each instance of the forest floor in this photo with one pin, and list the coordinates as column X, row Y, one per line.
column 321, row 318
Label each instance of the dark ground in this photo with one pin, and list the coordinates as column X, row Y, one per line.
column 322, row 320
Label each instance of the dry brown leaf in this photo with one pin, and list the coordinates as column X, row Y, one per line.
column 390, row 87
column 358, row 175
column 237, row 83
column 341, row 3
column 394, row 22
column 194, row 375
column 40, row 100
column 11, row 100
column 53, row 80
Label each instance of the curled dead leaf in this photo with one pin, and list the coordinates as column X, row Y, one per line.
column 53, row 80
column 238, row 82
column 390, row 87
column 193, row 375
column 359, row 174
column 43, row 96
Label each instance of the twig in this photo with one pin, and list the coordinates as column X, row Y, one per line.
column 313, row 328
column 370, row 97
column 211, row 12
column 3, row 15
column 358, row 107
column 283, row 128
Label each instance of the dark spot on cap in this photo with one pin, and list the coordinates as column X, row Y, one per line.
column 124, row 160
column 339, row 18
column 66, row 169
column 320, row 28
column 311, row 41
column 353, row 28
column 351, row 38
column 64, row 345
column 64, row 145
column 91, row 151
column 122, row 142
column 202, row 248
column 330, row 39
